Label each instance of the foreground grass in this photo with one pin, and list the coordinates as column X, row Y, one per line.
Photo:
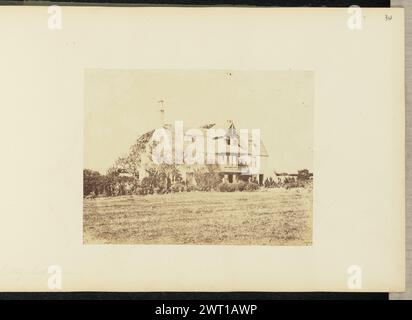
column 272, row 217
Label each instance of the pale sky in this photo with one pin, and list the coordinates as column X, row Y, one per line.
column 120, row 105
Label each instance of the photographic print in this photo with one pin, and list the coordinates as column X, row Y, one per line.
column 198, row 157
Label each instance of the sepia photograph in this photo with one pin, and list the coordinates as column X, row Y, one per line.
column 212, row 157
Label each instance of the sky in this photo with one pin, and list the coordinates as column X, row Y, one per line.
column 120, row 105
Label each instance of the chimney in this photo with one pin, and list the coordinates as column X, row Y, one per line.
column 162, row 117
column 162, row 113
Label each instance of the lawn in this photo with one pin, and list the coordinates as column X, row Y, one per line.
column 267, row 217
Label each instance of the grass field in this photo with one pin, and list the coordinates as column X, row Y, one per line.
column 269, row 217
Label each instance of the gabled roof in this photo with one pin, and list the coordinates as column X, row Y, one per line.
column 229, row 131
column 139, row 152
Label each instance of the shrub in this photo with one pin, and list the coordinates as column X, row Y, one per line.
column 191, row 188
column 241, row 185
column 138, row 191
column 96, row 184
column 147, row 186
column 178, row 187
column 223, row 186
column 233, row 187
column 207, row 178
column 91, row 195
column 304, row 175
column 92, row 181
column 252, row 186
column 237, row 186
column 298, row 184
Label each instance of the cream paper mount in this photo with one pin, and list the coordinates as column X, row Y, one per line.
column 90, row 93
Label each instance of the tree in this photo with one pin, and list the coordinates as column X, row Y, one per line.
column 303, row 175
column 91, row 182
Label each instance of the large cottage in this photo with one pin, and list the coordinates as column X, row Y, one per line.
column 247, row 161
